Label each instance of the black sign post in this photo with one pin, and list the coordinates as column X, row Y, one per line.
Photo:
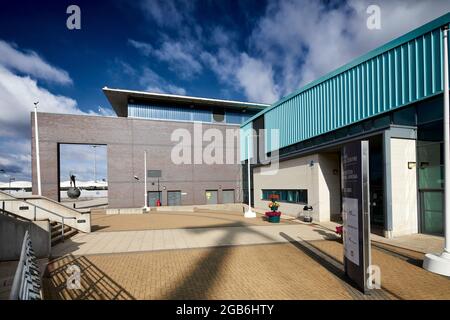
column 355, row 207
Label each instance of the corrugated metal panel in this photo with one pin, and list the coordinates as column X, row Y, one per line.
column 158, row 112
column 402, row 75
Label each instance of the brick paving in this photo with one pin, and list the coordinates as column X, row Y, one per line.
column 166, row 239
column 402, row 274
column 270, row 271
column 174, row 220
column 221, row 255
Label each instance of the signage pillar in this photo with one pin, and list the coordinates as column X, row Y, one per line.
column 356, row 215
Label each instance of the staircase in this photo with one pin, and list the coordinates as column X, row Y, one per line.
column 57, row 234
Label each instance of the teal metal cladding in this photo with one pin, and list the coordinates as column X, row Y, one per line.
column 403, row 71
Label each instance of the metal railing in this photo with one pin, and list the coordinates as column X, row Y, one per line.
column 35, row 212
column 27, row 280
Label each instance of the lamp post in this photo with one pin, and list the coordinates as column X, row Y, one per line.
column 145, row 182
column 38, row 162
column 249, row 213
column 433, row 262
column 11, row 179
column 95, row 162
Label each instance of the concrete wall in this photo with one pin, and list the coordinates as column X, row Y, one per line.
column 126, row 140
column 319, row 179
column 404, row 187
column 12, row 232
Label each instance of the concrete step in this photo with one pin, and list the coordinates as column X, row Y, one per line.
column 57, row 230
column 67, row 235
column 56, row 236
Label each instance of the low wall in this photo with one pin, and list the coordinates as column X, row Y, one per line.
column 12, row 232
column 232, row 207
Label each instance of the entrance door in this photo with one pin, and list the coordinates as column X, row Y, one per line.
column 431, row 186
column 228, row 196
column 376, row 177
column 211, row 196
column 432, row 212
column 174, row 198
column 152, row 197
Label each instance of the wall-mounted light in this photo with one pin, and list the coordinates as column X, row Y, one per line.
column 411, row 165
column 335, row 172
column 311, row 163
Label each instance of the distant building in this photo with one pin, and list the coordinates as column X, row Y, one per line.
column 146, row 122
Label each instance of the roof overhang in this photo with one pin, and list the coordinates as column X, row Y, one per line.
column 119, row 99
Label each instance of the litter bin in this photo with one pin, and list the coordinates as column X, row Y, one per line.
column 307, row 213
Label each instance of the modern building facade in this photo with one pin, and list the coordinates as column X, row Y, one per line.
column 392, row 97
column 146, row 122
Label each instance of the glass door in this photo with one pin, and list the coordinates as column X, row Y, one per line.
column 432, row 212
column 431, row 187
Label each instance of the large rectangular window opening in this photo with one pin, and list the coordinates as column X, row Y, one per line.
column 82, row 174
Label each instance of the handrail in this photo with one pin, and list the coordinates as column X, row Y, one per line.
column 8, row 213
column 27, row 281
column 41, row 208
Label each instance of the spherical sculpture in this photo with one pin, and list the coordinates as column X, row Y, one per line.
column 73, row 193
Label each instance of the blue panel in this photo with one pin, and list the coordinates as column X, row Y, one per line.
column 201, row 115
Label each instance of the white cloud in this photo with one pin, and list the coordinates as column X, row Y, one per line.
column 168, row 13
column 31, row 63
column 303, row 40
column 17, row 95
column 81, row 160
column 153, row 82
column 179, row 56
column 256, row 78
column 18, row 92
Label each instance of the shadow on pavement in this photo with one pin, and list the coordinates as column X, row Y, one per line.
column 335, row 267
column 206, row 273
column 94, row 283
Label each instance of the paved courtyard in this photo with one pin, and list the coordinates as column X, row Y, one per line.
column 174, row 220
column 248, row 259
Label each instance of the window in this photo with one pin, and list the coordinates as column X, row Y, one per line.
column 291, row 196
column 234, row 118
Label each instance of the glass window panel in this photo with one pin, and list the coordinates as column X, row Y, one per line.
column 234, row 118
column 291, row 196
column 433, row 217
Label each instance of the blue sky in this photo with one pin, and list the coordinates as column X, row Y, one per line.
column 251, row 50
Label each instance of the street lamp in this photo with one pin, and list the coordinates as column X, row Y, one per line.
column 249, row 213
column 10, row 180
column 95, row 163
column 38, row 162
